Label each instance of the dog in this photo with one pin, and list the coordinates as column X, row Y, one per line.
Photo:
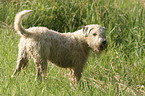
column 66, row 50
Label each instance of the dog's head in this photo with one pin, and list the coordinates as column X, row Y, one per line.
column 95, row 35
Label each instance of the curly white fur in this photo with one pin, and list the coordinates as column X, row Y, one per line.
column 67, row 50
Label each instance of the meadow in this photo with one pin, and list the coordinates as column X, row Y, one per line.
column 118, row 71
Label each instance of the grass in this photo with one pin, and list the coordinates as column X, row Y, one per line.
column 118, row 71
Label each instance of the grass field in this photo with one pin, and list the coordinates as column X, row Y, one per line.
column 118, row 71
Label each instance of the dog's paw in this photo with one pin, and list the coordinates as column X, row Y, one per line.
column 12, row 76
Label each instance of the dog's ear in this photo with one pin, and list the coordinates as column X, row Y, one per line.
column 85, row 31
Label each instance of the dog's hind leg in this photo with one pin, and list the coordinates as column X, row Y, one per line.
column 22, row 61
column 41, row 67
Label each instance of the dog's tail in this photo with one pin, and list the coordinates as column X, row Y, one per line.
column 18, row 22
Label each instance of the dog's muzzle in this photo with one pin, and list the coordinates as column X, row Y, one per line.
column 103, row 45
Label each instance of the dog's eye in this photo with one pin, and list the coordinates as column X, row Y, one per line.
column 94, row 34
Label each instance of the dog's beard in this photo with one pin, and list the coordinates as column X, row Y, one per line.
column 99, row 48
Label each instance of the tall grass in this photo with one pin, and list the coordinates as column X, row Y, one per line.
column 118, row 71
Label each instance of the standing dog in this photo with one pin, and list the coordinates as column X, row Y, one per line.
column 67, row 50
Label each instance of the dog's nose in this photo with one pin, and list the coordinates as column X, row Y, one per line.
column 104, row 42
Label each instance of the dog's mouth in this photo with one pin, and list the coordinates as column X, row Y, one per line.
column 101, row 47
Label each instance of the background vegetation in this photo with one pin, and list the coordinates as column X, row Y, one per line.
column 118, row 71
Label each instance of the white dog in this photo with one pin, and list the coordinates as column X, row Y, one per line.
column 67, row 50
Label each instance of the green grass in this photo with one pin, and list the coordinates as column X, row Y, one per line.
column 118, row 71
